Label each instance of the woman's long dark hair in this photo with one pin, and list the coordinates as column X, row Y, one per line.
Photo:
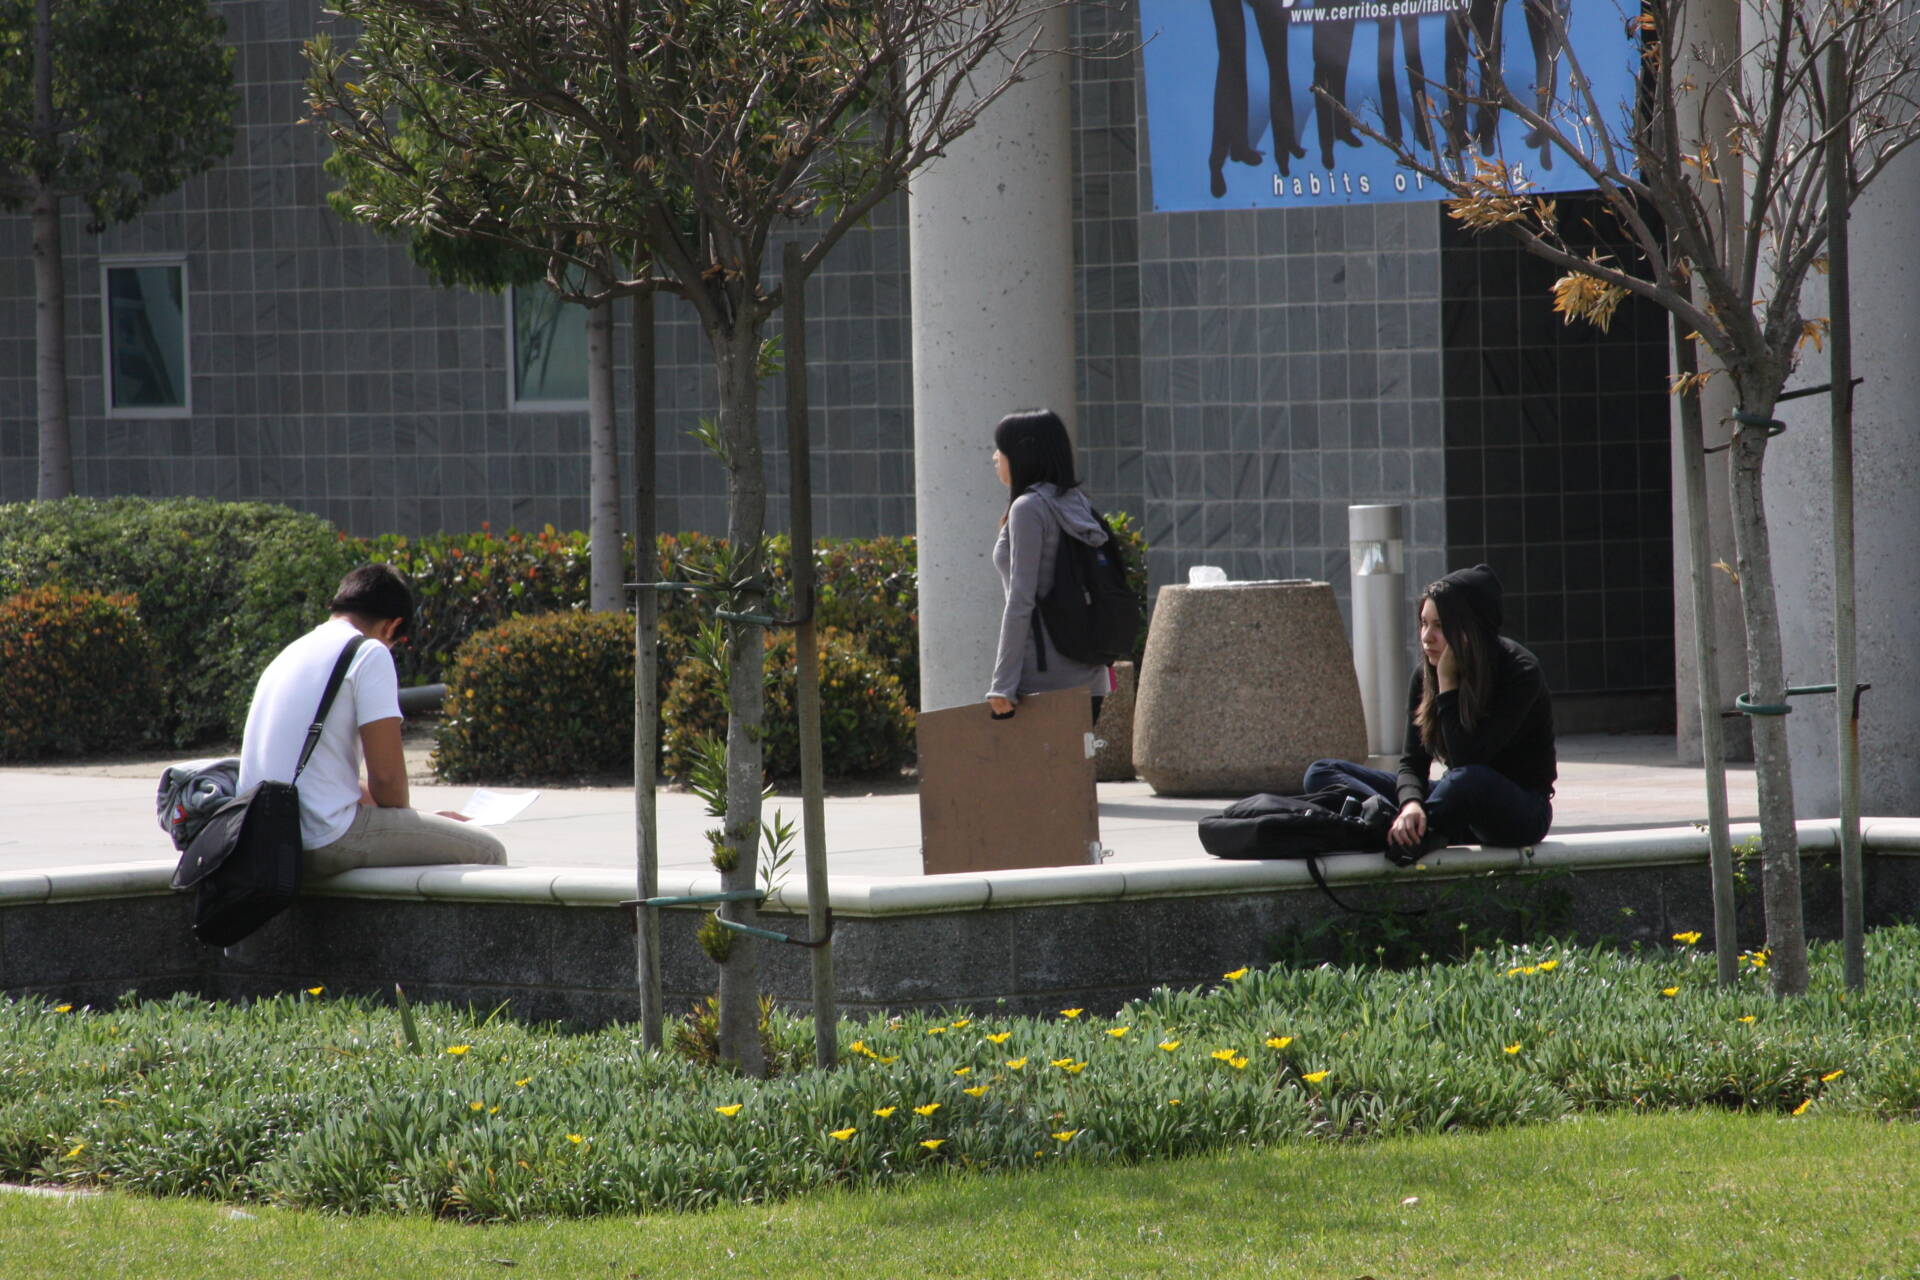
column 1034, row 442
column 1473, row 643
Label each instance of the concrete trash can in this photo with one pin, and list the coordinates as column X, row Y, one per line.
column 1242, row 687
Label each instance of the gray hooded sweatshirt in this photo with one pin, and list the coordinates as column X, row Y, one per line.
column 1024, row 554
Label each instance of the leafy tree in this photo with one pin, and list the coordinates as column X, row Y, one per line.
column 694, row 133
column 110, row 102
column 485, row 234
column 1758, row 123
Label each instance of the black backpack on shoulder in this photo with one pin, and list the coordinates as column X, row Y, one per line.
column 1090, row 613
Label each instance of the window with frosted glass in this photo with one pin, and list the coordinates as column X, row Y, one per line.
column 146, row 329
column 549, row 349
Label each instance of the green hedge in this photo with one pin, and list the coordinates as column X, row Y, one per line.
column 866, row 722
column 544, row 696
column 80, row 674
column 223, row 586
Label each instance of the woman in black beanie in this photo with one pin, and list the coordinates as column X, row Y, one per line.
column 1478, row 704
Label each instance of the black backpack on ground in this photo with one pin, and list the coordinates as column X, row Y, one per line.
column 1270, row 826
column 244, row 866
column 1090, row 612
column 1303, row 828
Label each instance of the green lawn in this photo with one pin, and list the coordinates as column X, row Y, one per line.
column 1693, row 1194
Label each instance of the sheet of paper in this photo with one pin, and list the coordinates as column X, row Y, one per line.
column 485, row 808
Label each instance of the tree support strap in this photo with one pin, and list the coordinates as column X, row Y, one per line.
column 731, row 895
column 1747, row 707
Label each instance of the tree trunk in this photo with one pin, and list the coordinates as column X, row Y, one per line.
column 736, row 355
column 604, row 590
column 50, row 349
column 49, row 281
column 1767, row 686
column 646, row 677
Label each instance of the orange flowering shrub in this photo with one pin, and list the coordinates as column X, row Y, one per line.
column 81, row 674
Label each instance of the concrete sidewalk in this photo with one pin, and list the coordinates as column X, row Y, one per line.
column 81, row 814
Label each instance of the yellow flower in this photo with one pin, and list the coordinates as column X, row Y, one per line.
column 1512, row 1048
column 476, row 1106
column 493, row 1111
column 1802, row 1108
column 78, row 1147
column 1169, row 1045
column 1279, row 1042
column 961, row 1071
column 523, row 1082
column 1831, row 1076
column 1669, row 991
column 932, row 1144
column 1236, row 975
column 63, row 1008
column 926, row 1110
column 1315, row 1077
column 575, row 1139
column 1173, row 1102
column 1225, row 1055
column 1548, row 966
column 314, row 991
column 886, row 1058
column 958, row 1023
column 860, row 1046
column 1071, row 1013
column 976, row 1091
column 1075, row 1068
column 1117, row 1032
column 936, row 1031
column 1688, row 938
column 1238, row 1063
column 457, row 1049
column 1061, row 1062
column 884, row 1112
column 999, row 1037
column 1015, row 1064
column 731, row 1109
column 1746, row 1018
column 1067, row 1135
column 843, row 1134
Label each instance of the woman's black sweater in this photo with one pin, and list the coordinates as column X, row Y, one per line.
column 1514, row 736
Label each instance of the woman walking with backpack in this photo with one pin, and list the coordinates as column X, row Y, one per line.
column 1034, row 458
column 1478, row 704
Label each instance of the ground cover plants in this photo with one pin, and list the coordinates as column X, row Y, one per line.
column 315, row 1101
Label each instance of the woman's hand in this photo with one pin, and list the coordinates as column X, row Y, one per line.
column 1410, row 828
column 1447, row 670
column 1002, row 707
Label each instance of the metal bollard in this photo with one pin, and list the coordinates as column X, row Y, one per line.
column 1377, row 547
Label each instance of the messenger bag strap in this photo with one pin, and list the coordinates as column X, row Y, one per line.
column 326, row 704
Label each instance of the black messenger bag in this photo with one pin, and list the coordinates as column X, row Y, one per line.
column 244, row 867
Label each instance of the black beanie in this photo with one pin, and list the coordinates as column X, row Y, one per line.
column 1480, row 588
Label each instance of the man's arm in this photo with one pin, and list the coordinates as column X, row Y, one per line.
column 386, row 763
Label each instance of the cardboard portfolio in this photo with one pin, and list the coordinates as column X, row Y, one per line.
column 996, row 794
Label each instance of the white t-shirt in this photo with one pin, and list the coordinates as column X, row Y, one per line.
column 283, row 705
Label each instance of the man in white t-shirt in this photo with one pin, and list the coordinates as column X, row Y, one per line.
column 345, row 822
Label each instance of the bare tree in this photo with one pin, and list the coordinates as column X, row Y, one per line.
column 1717, row 182
column 700, row 131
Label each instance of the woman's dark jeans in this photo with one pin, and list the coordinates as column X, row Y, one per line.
column 1473, row 803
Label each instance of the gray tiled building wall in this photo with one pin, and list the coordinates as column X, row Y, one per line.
column 1242, row 376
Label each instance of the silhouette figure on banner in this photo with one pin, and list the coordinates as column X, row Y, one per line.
column 1475, row 32
column 1418, row 102
column 1332, row 48
column 1231, row 124
column 1546, row 31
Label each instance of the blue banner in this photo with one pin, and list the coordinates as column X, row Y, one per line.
column 1226, row 78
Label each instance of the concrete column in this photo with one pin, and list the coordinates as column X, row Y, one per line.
column 1886, row 329
column 991, row 224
